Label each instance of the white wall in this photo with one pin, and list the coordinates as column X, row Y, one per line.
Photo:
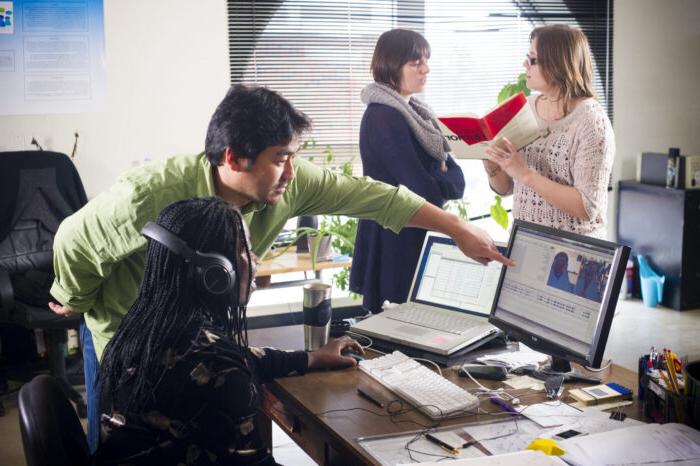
column 167, row 68
column 656, row 83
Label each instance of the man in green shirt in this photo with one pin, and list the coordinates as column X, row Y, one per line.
column 251, row 144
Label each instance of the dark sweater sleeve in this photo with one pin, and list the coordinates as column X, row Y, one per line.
column 388, row 142
column 271, row 363
column 451, row 182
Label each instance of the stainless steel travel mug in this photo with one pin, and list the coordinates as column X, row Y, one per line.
column 317, row 315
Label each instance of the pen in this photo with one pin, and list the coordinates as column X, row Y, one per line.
column 497, row 401
column 442, row 444
column 365, row 395
column 650, row 365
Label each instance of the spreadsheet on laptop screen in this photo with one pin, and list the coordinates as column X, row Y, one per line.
column 449, row 279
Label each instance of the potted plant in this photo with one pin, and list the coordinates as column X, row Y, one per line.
column 335, row 234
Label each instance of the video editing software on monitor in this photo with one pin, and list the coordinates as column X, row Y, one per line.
column 561, row 295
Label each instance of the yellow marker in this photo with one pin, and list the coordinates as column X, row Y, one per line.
column 547, row 446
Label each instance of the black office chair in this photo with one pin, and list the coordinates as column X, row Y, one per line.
column 51, row 431
column 39, row 189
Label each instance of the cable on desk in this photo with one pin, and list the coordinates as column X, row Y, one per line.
column 387, row 413
column 417, row 437
column 423, row 433
column 369, row 345
column 431, row 362
column 600, row 369
column 489, row 391
column 476, row 381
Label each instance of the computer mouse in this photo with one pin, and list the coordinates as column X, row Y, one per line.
column 356, row 356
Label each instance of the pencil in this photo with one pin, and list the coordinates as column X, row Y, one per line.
column 665, row 379
column 671, row 368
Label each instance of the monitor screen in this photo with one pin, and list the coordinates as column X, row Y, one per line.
column 446, row 278
column 560, row 297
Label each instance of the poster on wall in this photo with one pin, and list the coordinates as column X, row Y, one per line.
column 52, row 57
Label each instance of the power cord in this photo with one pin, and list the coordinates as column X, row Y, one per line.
column 431, row 362
column 600, row 369
column 367, row 346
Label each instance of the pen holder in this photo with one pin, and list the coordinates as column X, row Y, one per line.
column 661, row 405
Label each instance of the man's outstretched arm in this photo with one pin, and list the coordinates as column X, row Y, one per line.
column 471, row 240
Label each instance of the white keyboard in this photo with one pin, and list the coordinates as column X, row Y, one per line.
column 428, row 391
column 450, row 322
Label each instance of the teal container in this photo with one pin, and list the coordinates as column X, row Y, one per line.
column 652, row 284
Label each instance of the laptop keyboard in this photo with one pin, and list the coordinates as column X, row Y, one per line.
column 446, row 322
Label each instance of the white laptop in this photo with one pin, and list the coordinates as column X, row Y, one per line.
column 448, row 304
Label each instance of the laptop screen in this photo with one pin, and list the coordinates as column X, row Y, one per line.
column 446, row 278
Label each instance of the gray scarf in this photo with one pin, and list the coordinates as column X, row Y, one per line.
column 419, row 116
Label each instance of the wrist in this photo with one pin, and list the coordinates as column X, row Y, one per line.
column 310, row 360
column 528, row 177
column 454, row 225
column 491, row 168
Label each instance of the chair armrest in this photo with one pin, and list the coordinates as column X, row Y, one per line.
column 7, row 295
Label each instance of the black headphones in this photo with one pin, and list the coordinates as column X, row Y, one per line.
column 215, row 273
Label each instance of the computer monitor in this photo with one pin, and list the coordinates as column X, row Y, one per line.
column 560, row 296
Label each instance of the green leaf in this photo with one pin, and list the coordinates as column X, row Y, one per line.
column 510, row 89
column 503, row 95
column 457, row 206
column 346, row 168
column 328, row 151
column 499, row 214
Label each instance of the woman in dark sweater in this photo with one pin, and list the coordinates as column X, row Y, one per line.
column 400, row 144
column 180, row 385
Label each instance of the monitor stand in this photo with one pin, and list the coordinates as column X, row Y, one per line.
column 562, row 367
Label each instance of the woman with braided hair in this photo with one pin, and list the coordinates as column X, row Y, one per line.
column 180, row 385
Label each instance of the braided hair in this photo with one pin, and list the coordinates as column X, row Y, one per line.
column 169, row 303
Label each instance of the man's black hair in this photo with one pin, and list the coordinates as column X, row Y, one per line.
column 249, row 120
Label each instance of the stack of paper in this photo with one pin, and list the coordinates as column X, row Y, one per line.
column 521, row 458
column 645, row 444
column 524, row 357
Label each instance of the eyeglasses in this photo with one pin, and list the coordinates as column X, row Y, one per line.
column 531, row 61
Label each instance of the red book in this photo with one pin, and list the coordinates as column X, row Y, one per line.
column 469, row 136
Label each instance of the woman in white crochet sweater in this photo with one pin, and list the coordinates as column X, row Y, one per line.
column 561, row 179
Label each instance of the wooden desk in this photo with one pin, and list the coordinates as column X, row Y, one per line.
column 290, row 261
column 330, row 438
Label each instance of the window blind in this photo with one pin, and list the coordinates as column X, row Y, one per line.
column 317, row 54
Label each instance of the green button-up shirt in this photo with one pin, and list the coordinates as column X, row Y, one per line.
column 99, row 252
